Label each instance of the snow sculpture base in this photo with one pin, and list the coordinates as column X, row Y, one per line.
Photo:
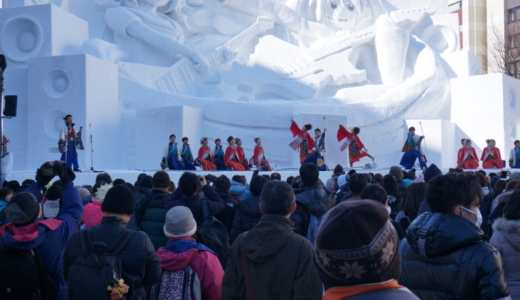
column 487, row 107
column 80, row 85
column 153, row 128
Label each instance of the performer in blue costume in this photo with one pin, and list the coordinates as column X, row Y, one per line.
column 514, row 159
column 172, row 155
column 68, row 142
column 186, row 156
column 219, row 156
column 412, row 151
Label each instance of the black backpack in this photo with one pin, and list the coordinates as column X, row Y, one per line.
column 97, row 268
column 214, row 235
column 24, row 276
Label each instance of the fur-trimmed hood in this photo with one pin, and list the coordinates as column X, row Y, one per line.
column 502, row 198
column 510, row 229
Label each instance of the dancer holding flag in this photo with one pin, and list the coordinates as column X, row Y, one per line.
column 467, row 158
column 412, row 150
column 353, row 143
column 304, row 143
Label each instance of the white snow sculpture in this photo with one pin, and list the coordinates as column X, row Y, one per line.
column 375, row 63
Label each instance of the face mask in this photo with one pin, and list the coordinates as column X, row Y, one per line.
column 389, row 209
column 479, row 216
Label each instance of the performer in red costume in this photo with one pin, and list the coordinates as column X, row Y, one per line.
column 467, row 158
column 205, row 157
column 231, row 157
column 259, row 157
column 304, row 143
column 241, row 154
column 356, row 148
column 491, row 156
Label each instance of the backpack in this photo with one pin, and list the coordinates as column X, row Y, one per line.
column 24, row 276
column 312, row 230
column 214, row 235
column 97, row 268
column 180, row 285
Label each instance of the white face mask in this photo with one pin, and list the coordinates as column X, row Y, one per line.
column 479, row 216
column 389, row 209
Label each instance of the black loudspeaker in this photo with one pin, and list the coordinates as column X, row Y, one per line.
column 10, row 106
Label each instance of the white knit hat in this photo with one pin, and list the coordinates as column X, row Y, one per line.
column 179, row 222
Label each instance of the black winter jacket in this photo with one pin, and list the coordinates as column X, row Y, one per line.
column 281, row 264
column 315, row 200
column 248, row 214
column 227, row 215
column 141, row 267
column 153, row 210
column 454, row 261
column 215, row 203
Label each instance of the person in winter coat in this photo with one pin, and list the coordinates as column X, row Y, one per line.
column 271, row 259
column 414, row 196
column 5, row 196
column 445, row 255
column 140, row 265
column 397, row 172
column 151, row 211
column 182, row 250
column 356, row 184
column 312, row 199
column 332, row 184
column 377, row 193
column 92, row 213
column 506, row 238
column 239, row 188
column 187, row 194
column 395, row 196
column 343, row 190
column 501, row 200
column 222, row 187
column 349, row 263
column 28, row 230
column 248, row 211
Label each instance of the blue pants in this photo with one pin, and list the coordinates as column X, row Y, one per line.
column 313, row 159
column 71, row 157
column 219, row 163
column 409, row 158
column 517, row 165
column 173, row 162
column 188, row 165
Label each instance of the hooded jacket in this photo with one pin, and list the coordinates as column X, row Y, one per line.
column 315, row 200
column 49, row 236
column 507, row 241
column 227, row 215
column 445, row 257
column 180, row 252
column 280, row 263
column 140, row 264
column 215, row 203
column 153, row 211
column 498, row 210
column 247, row 215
